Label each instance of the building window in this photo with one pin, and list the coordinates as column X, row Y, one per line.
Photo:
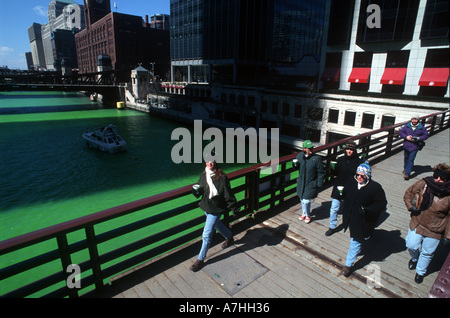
column 341, row 19
column 387, row 120
column 298, row 111
column 435, row 20
column 349, row 119
column 368, row 120
column 398, row 19
column 333, row 116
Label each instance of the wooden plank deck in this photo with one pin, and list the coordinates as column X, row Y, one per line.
column 287, row 258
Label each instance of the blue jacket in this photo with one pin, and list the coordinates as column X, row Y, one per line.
column 421, row 132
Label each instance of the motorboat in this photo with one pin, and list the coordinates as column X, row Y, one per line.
column 106, row 139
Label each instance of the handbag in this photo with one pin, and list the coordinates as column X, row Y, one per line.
column 417, row 200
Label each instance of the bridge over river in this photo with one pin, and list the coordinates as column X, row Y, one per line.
column 274, row 256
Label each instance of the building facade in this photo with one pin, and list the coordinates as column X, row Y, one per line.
column 408, row 54
column 243, row 41
column 379, row 62
column 62, row 15
column 125, row 39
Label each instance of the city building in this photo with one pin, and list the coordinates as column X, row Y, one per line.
column 371, row 63
column 62, row 15
column 245, row 42
column 124, row 40
column 37, row 47
column 160, row 21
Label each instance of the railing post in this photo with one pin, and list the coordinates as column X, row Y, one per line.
column 93, row 254
column 63, row 247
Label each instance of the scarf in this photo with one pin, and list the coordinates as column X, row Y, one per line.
column 212, row 189
column 437, row 188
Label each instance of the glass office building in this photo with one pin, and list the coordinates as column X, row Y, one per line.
column 242, row 41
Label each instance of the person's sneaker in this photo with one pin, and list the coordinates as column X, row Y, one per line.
column 228, row 243
column 307, row 219
column 198, row 265
column 330, row 232
column 302, row 217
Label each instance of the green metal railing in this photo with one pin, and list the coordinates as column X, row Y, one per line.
column 254, row 188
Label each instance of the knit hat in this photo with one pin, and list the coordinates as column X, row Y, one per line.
column 351, row 145
column 365, row 169
column 415, row 116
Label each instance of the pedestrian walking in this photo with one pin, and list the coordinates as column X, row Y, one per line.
column 414, row 135
column 310, row 178
column 364, row 201
column 344, row 171
column 428, row 200
column 217, row 198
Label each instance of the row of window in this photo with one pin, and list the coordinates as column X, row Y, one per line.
column 368, row 119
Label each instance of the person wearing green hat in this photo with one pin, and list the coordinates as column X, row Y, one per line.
column 310, row 177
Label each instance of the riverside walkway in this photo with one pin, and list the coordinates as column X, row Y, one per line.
column 277, row 256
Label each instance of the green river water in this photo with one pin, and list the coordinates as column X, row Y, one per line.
column 48, row 175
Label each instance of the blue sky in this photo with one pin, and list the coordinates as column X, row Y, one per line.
column 17, row 16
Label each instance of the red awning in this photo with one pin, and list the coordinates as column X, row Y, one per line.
column 393, row 76
column 331, row 74
column 434, row 77
column 359, row 75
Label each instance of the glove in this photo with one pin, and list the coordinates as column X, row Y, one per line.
column 446, row 241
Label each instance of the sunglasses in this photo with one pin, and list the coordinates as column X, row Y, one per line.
column 442, row 176
column 361, row 175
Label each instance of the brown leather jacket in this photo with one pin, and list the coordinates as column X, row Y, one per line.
column 433, row 222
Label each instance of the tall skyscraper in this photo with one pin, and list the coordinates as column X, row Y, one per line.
column 244, row 41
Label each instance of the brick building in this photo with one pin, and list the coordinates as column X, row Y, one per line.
column 125, row 39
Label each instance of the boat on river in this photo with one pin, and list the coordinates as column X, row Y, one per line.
column 106, row 139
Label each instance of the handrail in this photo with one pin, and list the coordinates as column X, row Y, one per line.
column 254, row 189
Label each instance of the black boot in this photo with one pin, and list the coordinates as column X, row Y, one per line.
column 418, row 279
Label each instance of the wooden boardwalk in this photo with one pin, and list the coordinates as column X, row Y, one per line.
column 278, row 256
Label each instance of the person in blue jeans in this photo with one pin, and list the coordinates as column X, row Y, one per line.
column 430, row 218
column 414, row 135
column 217, row 198
column 364, row 201
column 310, row 178
column 344, row 170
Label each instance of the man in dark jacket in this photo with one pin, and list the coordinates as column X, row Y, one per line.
column 310, row 178
column 414, row 134
column 364, row 201
column 344, row 170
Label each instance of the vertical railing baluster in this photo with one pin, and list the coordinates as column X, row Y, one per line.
column 63, row 247
column 95, row 260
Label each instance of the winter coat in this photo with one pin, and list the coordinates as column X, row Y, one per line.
column 434, row 221
column 345, row 170
column 310, row 177
column 420, row 132
column 362, row 208
column 221, row 203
